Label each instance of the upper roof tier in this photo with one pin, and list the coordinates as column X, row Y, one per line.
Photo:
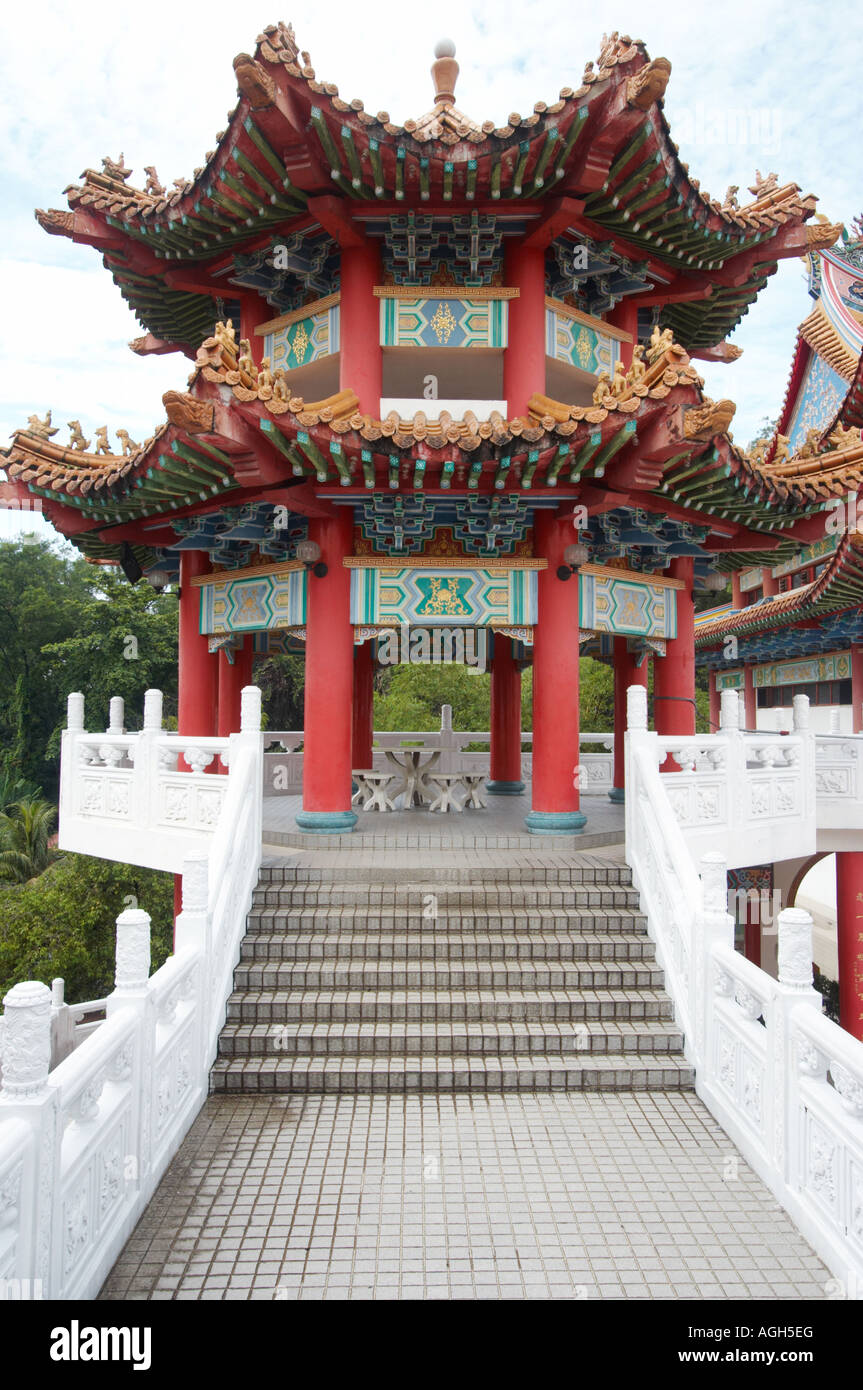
column 598, row 163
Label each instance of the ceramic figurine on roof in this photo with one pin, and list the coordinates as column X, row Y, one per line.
column 416, row 349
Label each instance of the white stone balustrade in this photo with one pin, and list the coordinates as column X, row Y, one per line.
column 150, row 798
column 752, row 795
column 283, row 770
column 83, row 1147
column 784, row 1081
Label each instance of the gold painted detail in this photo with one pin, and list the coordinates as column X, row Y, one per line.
column 443, row 323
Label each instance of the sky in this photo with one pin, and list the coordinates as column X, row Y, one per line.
column 755, row 84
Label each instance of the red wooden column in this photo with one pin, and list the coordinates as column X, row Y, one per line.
column 769, row 585
column 625, row 316
column 856, row 688
column 849, row 920
column 674, row 673
column 736, row 593
column 232, row 678
column 505, row 767
column 360, row 357
column 524, row 358
column 714, row 702
column 554, row 800
column 362, row 736
column 254, row 310
column 198, row 672
column 328, row 723
column 750, row 699
column 627, row 672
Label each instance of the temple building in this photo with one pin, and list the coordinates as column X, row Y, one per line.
column 795, row 626
column 441, row 369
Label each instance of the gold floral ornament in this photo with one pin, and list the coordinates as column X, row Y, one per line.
column 443, row 323
column 300, row 343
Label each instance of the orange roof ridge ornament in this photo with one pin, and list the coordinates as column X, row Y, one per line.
column 444, row 72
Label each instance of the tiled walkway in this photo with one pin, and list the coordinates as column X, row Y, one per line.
column 523, row 1196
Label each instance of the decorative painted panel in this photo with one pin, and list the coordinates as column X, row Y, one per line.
column 303, row 341
column 821, row 393
column 257, row 603
column 443, row 322
column 636, row 607
column 817, row 551
column 434, row 596
column 835, row 666
column 568, row 340
column 729, row 680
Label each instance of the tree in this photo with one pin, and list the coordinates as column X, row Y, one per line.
column 124, row 643
column 41, row 591
column 25, row 830
column 63, row 923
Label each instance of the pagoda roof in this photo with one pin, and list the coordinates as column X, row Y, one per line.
column 231, row 438
column 292, row 142
column 839, row 586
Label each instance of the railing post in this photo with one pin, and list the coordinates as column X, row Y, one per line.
column 27, row 1095
column 116, row 715
column 146, row 762
column 729, row 712
column 132, row 960
column 152, row 711
column 445, row 763
column 636, row 734
column 714, row 926
column 250, row 710
column 192, row 930
column 794, row 989
column 800, row 725
column 62, row 1026
column 69, row 756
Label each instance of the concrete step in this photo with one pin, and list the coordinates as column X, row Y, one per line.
column 370, row 1005
column 386, row 944
column 529, row 1072
column 275, row 921
column 450, row 975
column 597, row 1038
column 446, row 868
column 444, row 899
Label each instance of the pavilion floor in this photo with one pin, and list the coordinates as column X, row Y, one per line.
column 499, row 826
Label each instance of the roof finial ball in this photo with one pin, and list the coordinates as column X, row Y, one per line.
column 444, row 71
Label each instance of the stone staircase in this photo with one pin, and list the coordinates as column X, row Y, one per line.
column 535, row 972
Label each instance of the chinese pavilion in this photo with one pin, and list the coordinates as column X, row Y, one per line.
column 441, row 369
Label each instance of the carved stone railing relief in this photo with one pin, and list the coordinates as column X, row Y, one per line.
column 783, row 1080
column 83, row 1146
column 149, row 798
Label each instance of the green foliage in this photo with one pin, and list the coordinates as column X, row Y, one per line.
column 14, row 788
column 124, row 643
column 829, row 991
column 65, row 625
column 281, row 680
column 411, row 697
column 766, row 430
column 596, row 695
column 41, row 592
column 25, row 831
column 63, row 923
